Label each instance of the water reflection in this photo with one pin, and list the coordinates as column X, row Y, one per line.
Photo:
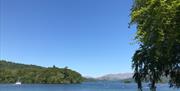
column 87, row 86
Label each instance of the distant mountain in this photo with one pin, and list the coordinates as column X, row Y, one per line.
column 114, row 77
column 123, row 77
column 89, row 79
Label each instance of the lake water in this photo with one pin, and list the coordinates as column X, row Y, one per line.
column 86, row 86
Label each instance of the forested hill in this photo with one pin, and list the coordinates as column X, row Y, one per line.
column 11, row 72
column 10, row 65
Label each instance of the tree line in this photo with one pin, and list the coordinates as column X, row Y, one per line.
column 12, row 72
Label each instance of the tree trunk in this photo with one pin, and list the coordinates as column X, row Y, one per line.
column 139, row 86
column 153, row 87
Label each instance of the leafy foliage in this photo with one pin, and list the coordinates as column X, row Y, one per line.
column 12, row 72
column 158, row 33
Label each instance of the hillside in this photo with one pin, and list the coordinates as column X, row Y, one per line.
column 115, row 77
column 11, row 72
column 10, row 65
column 123, row 77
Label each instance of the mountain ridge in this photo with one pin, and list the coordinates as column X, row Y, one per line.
column 112, row 77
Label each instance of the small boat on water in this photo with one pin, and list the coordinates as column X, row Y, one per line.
column 18, row 83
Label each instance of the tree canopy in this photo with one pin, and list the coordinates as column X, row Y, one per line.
column 12, row 72
column 158, row 34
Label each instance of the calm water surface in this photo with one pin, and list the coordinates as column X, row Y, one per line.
column 87, row 86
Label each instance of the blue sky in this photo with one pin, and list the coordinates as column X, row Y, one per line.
column 89, row 36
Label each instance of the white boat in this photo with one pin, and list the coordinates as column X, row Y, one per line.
column 18, row 83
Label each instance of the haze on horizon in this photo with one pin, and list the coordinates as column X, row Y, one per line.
column 89, row 36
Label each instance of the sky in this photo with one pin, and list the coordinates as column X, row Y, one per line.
column 89, row 36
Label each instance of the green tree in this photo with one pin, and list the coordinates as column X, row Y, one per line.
column 158, row 33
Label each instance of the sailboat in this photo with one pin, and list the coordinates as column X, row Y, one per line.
column 18, row 83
